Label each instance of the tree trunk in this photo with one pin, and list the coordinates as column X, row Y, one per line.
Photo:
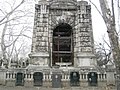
column 113, row 36
column 3, row 47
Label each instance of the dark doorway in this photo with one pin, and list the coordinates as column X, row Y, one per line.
column 74, row 78
column 19, row 79
column 38, row 78
column 92, row 78
column 62, row 44
column 56, row 80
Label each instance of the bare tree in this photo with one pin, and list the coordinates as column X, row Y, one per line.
column 7, row 15
column 103, row 54
column 11, row 34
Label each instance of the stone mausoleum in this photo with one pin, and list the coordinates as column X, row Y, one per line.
column 62, row 52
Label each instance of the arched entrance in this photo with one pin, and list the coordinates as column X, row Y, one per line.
column 62, row 44
column 38, row 78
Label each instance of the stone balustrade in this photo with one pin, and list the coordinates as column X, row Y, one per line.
column 48, row 77
column 10, row 79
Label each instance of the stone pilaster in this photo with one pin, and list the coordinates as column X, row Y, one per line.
column 40, row 51
column 84, row 37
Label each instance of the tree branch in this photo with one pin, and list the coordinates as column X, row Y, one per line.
column 8, row 14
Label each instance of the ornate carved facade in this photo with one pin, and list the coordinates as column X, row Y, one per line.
column 63, row 34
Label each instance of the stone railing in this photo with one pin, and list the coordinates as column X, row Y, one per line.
column 10, row 76
column 48, row 77
column 102, row 77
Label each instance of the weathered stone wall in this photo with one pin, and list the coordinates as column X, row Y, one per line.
column 48, row 88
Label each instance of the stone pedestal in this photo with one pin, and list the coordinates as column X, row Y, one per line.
column 2, row 76
column 110, row 74
column 110, row 77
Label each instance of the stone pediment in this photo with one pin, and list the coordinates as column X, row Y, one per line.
column 63, row 4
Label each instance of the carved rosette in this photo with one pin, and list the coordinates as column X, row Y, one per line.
column 62, row 11
column 63, row 17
